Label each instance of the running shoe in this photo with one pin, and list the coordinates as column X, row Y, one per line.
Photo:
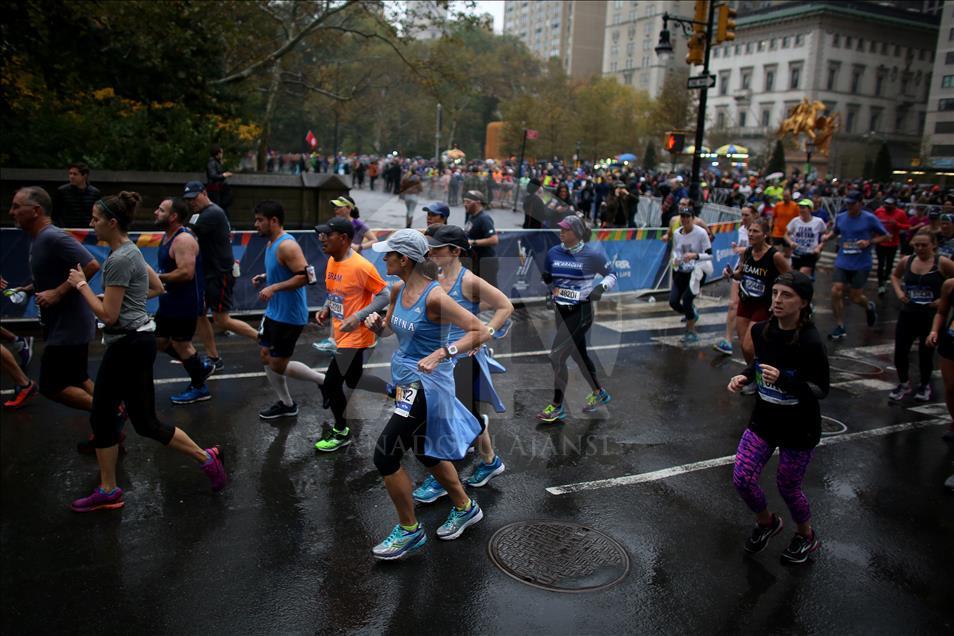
column 429, row 491
column 552, row 413
column 333, row 440
column 800, row 547
column 99, row 500
column 208, row 369
column 761, row 535
column 328, row 345
column 214, row 468
column 871, row 314
column 839, row 333
column 217, row 363
column 192, row 395
column 459, row 520
column 925, row 393
column 88, row 446
column 749, row 389
column 595, row 399
column 277, row 410
column 400, row 543
column 485, row 472
column 900, row 392
column 20, row 395
column 723, row 347
column 689, row 338
column 881, row 290
column 23, row 345
column 695, row 314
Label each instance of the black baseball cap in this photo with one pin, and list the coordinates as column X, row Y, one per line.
column 441, row 235
column 336, row 224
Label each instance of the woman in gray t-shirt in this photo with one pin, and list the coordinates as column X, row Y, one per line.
column 125, row 373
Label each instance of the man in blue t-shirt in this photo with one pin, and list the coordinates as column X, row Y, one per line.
column 857, row 230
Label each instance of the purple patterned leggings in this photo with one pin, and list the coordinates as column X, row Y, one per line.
column 754, row 452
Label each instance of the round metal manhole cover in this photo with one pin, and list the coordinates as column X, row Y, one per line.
column 831, row 426
column 558, row 556
column 853, row 366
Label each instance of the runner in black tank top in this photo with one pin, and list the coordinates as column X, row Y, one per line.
column 917, row 281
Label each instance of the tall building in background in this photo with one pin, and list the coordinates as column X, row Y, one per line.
column 571, row 31
column 939, row 123
column 427, row 18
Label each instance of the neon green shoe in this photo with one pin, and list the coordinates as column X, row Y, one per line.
column 551, row 413
column 333, row 440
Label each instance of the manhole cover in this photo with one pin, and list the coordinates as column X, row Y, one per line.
column 558, row 556
column 851, row 365
column 831, row 426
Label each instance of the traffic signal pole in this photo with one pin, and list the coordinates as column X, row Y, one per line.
column 695, row 191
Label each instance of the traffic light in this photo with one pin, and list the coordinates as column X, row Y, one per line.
column 675, row 141
column 725, row 29
column 696, row 49
column 701, row 19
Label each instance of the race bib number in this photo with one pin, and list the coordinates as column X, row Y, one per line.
column 753, row 287
column 771, row 393
column 403, row 399
column 336, row 306
column 567, row 294
column 920, row 295
column 850, row 247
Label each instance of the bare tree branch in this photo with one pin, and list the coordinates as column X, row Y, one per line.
column 263, row 7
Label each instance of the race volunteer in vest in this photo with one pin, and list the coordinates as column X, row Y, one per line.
column 355, row 291
column 917, row 282
column 805, row 236
column 759, row 266
column 570, row 270
column 472, row 369
column 691, row 246
column 125, row 372
column 428, row 419
column 180, row 271
column 791, row 372
column 857, row 230
column 286, row 313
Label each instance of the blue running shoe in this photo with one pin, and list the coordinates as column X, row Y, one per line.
column 429, row 491
column 400, row 543
column 689, row 338
column 459, row 520
column 839, row 333
column 328, row 345
column 192, row 395
column 208, row 368
column 723, row 347
column 484, row 472
column 595, row 399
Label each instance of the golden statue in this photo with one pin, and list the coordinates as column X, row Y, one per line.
column 807, row 118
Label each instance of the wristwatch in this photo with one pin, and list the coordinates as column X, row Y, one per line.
column 491, row 330
column 450, row 350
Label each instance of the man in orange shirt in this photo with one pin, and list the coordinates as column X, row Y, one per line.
column 784, row 212
column 355, row 290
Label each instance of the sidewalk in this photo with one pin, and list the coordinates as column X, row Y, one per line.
column 386, row 211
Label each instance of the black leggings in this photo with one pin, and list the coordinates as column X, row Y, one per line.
column 680, row 296
column 352, row 361
column 402, row 434
column 885, row 262
column 125, row 376
column 913, row 325
column 573, row 323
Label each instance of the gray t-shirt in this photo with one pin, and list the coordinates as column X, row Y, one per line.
column 52, row 254
column 126, row 267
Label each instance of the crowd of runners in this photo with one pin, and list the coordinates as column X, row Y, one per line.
column 440, row 301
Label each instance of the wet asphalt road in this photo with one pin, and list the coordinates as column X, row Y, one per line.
column 286, row 548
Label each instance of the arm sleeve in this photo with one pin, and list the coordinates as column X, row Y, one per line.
column 378, row 303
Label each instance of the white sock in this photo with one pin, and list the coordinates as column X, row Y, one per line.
column 304, row 373
column 279, row 385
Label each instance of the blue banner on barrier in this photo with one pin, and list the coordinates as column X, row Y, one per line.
column 638, row 256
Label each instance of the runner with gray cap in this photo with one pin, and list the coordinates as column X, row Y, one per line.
column 427, row 417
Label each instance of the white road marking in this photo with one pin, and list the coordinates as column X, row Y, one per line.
column 863, row 385
column 673, row 471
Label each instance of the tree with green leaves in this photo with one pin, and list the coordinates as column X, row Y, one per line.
column 776, row 162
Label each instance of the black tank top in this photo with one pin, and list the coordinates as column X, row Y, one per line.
column 922, row 289
column 758, row 275
column 181, row 300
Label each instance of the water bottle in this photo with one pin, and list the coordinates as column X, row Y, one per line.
column 16, row 296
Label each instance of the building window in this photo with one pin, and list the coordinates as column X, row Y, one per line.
column 748, row 48
column 861, row 44
column 794, row 75
column 943, row 127
column 850, row 121
column 945, row 104
column 947, row 81
column 899, row 117
column 884, row 48
column 875, row 121
column 835, row 41
column 742, row 118
column 950, row 35
column 746, row 79
column 614, row 66
column 766, row 117
column 799, row 39
column 761, row 46
column 922, row 53
column 833, row 75
column 856, row 74
column 769, row 79
column 723, row 82
column 726, row 51
column 720, row 119
column 942, row 151
column 872, row 47
column 738, row 49
column 715, row 52
column 849, row 41
column 879, row 84
column 773, row 44
column 949, row 57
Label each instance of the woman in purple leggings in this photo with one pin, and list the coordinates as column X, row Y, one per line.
column 790, row 372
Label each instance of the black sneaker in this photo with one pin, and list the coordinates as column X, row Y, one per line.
column 217, row 363
column 761, row 535
column 800, row 547
column 277, row 410
column 871, row 314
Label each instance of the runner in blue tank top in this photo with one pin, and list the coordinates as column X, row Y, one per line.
column 472, row 370
column 180, row 271
column 287, row 310
column 427, row 417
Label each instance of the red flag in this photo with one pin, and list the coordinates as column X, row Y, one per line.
column 311, row 139
column 532, row 134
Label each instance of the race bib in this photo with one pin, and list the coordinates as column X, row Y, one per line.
column 920, row 295
column 771, row 393
column 850, row 247
column 567, row 294
column 336, row 306
column 404, row 398
column 753, row 287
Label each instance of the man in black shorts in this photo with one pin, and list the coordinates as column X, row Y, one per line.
column 213, row 232
column 179, row 308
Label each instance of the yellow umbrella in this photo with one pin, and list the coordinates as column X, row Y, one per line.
column 733, row 151
column 691, row 150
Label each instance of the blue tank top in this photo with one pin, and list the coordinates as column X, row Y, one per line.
column 288, row 306
column 181, row 300
column 417, row 334
column 455, row 333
